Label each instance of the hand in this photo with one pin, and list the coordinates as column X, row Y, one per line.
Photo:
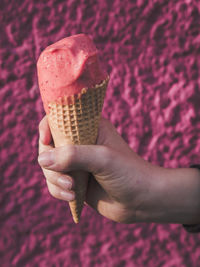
column 121, row 186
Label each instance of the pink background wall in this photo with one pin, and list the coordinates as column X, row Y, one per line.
column 152, row 52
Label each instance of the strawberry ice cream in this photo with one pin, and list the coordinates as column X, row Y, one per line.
column 66, row 67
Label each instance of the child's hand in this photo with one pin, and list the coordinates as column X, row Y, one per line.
column 121, row 184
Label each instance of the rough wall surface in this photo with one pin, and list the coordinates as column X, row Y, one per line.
column 152, row 52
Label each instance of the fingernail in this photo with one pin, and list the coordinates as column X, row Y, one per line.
column 67, row 196
column 46, row 159
column 64, row 183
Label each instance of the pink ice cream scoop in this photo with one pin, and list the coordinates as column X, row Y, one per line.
column 66, row 67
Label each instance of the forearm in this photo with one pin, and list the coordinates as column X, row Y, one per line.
column 183, row 195
column 176, row 196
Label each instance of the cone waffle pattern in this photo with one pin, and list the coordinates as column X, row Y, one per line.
column 78, row 124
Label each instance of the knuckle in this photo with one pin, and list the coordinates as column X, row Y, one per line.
column 105, row 152
column 51, row 189
column 65, row 157
column 50, row 178
column 104, row 160
column 71, row 153
column 107, row 156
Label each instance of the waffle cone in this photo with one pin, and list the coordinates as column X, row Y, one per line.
column 75, row 120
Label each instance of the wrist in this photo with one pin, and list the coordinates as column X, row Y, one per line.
column 153, row 207
column 148, row 203
column 185, row 187
column 172, row 196
column 180, row 200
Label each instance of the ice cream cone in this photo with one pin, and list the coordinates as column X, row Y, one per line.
column 77, row 123
column 72, row 85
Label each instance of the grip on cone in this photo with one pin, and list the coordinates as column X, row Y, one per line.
column 78, row 124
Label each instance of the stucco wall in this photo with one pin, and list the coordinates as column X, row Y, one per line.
column 151, row 50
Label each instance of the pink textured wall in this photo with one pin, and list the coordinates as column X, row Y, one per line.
column 152, row 52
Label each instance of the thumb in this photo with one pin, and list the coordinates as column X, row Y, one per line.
column 91, row 158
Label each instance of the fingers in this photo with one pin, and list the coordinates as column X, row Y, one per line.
column 62, row 180
column 76, row 157
column 44, row 148
column 59, row 185
column 59, row 193
column 44, row 131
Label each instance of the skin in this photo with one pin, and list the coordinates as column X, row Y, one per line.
column 123, row 187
